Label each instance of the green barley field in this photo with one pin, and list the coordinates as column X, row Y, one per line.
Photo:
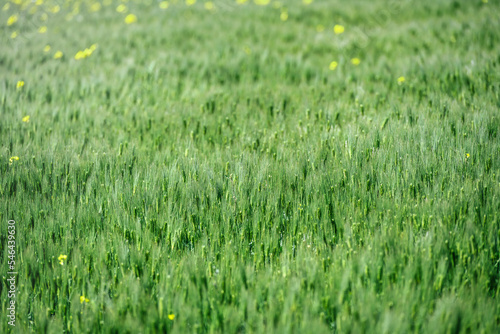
column 237, row 166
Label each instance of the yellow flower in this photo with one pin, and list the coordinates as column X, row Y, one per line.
column 171, row 316
column 164, row 4
column 26, row 119
column 121, row 8
column 130, row 18
column 62, row 258
column 333, row 65
column 262, row 2
column 209, row 5
column 42, row 29
column 467, row 155
column 11, row 20
column 284, row 15
column 58, row 55
column 79, row 55
column 338, row 29
column 20, row 84
column 95, row 7
column 84, row 299
column 46, row 48
column 55, row 9
column 307, row 2
column 87, row 52
column 355, row 61
column 13, row 35
column 190, row 2
column 401, row 80
column 12, row 159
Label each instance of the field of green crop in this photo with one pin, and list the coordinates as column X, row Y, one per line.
column 250, row 166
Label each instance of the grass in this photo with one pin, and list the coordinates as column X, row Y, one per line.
column 205, row 171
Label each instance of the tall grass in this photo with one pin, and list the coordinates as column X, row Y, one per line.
column 209, row 165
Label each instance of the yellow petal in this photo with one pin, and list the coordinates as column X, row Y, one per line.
column 121, row 8
column 130, row 18
column 209, row 5
column 338, row 29
column 11, row 20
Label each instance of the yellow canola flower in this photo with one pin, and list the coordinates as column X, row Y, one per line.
column 401, row 80
column 12, row 19
column 333, row 65
column 130, row 18
column 121, row 8
column 87, row 52
column 12, row 159
column 62, row 258
column 338, row 29
column 79, row 55
column 284, row 15
column 209, row 5
column 58, row 55
column 190, row 2
column 26, row 119
column 467, row 155
column 42, row 29
column 84, row 299
column 262, row 2
column 20, row 84
column 95, row 7
column 14, row 34
column 171, row 316
column 355, row 61
column 164, row 4
column 55, row 9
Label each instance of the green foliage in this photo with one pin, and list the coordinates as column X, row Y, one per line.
column 209, row 165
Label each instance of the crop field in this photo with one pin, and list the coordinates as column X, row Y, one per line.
column 250, row 166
